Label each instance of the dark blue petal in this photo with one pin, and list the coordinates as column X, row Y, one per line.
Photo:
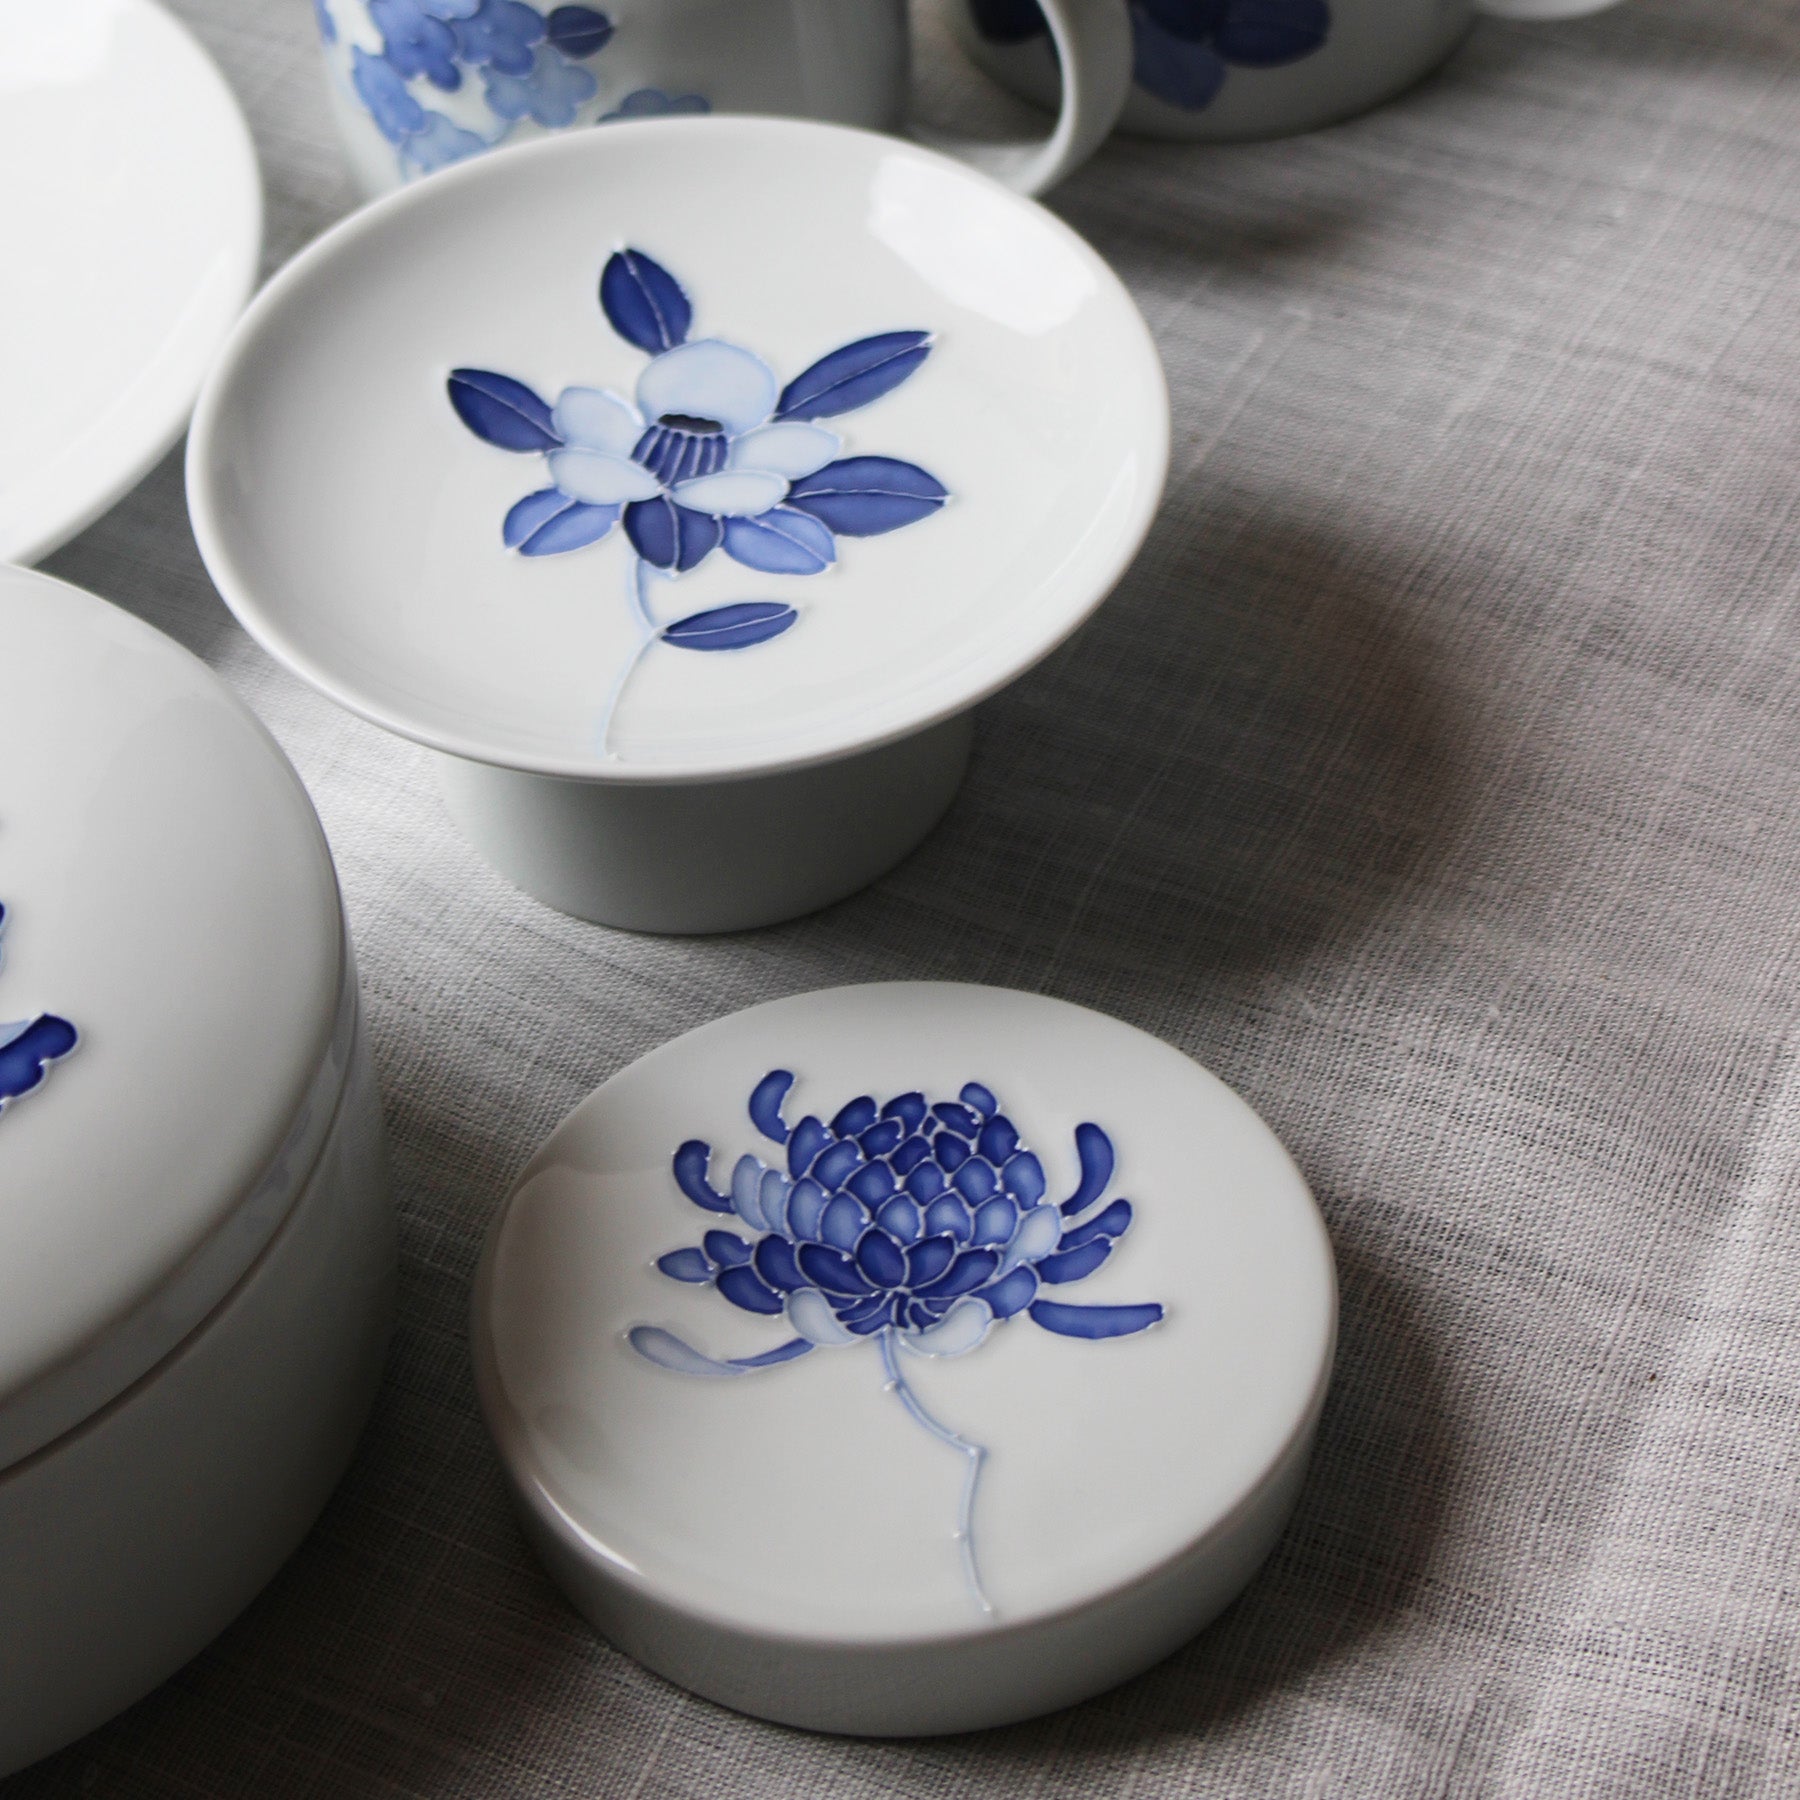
column 900, row 1218
column 843, row 1222
column 854, row 375
column 780, row 542
column 999, row 1139
column 734, row 627
column 1095, row 1151
column 832, row 1271
column 910, row 1154
column 968, row 1272
column 691, row 1163
column 882, row 1315
column 882, row 1139
column 25, row 1057
column 502, row 411
column 880, row 1258
column 855, row 1312
column 995, row 1220
column 726, row 1248
column 765, row 1105
column 1264, row 34
column 1023, row 1178
column 980, row 1098
column 921, row 1315
column 578, row 31
column 926, row 1182
column 872, row 1184
column 949, row 1217
column 1075, row 1265
column 670, row 537
column 548, row 522
column 950, row 1150
column 805, row 1208
column 645, row 304
column 863, row 496
column 975, row 1181
column 909, row 1109
column 927, row 1260
column 777, row 1264
column 810, row 1137
column 855, row 1116
column 1011, row 1293
column 1111, row 1221
column 742, row 1287
column 686, row 1265
column 1094, row 1321
column 839, row 1161
column 963, row 1120
column 1183, row 74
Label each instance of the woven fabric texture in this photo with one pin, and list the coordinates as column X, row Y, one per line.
column 1434, row 777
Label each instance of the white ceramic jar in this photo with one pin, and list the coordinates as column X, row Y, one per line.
column 196, row 1248
column 906, row 1358
column 684, row 526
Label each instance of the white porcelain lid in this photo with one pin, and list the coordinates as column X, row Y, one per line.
column 685, row 448
column 675, row 1368
column 172, row 999
column 131, row 212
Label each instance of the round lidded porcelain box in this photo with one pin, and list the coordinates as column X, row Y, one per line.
column 906, row 1358
column 195, row 1242
column 683, row 486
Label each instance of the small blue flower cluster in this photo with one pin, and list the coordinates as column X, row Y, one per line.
column 28, row 1047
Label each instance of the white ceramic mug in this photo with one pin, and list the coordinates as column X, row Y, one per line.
column 1229, row 70
column 418, row 84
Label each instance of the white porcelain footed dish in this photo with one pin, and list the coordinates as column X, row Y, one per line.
column 608, row 460
column 189, row 1157
column 838, row 1380
column 131, row 212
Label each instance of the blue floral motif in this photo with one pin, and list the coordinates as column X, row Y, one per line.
column 1186, row 48
column 530, row 65
column 653, row 103
column 712, row 454
column 920, row 1226
column 28, row 1047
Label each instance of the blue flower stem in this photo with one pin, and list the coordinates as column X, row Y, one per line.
column 637, row 578
column 976, row 1453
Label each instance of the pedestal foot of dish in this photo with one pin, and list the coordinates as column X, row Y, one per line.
column 709, row 856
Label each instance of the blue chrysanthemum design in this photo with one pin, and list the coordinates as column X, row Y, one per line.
column 28, row 1047
column 1184, row 49
column 712, row 453
column 531, row 65
column 921, row 1227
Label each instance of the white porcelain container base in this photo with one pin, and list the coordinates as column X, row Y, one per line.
column 132, row 1541
column 709, row 856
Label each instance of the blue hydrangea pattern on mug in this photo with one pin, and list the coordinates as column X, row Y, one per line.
column 920, row 1227
column 711, row 453
column 28, row 1047
column 530, row 65
column 1184, row 49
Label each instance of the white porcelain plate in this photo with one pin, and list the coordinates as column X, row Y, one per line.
column 691, row 448
column 913, row 1314
column 131, row 213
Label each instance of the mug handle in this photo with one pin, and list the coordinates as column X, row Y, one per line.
column 1093, row 49
column 1544, row 10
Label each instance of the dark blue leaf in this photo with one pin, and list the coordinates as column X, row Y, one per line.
column 863, row 496
column 776, row 1264
column 880, row 1258
column 968, row 1272
column 855, row 1117
column 644, row 302
column 1011, row 1293
column 781, row 542
column 670, row 537
column 1111, row 1221
column 854, row 375
column 502, row 411
column 809, row 1138
column 871, row 1184
column 843, row 1221
column 1193, row 21
column 1094, row 1321
column 980, row 1098
column 1184, row 74
column 909, row 1109
column 1094, row 1149
column 1272, row 32
column 1023, row 1178
column 691, row 1163
column 548, row 522
column 742, row 1287
column 686, row 1265
column 832, row 1271
column 839, row 1162
column 765, row 1105
column 578, row 31
column 927, row 1260
column 26, row 1055
column 1077, row 1264
column 734, row 627
column 726, row 1248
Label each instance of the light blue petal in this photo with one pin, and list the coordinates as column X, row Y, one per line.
column 810, row 1314
column 597, row 419
column 959, row 1331
column 773, row 1193
column 732, row 493
column 709, row 379
column 600, row 478
column 1039, row 1232
column 746, row 1191
column 787, row 447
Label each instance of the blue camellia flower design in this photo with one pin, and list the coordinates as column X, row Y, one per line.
column 530, row 65
column 1185, row 48
column 712, row 453
column 28, row 1047
column 920, row 1227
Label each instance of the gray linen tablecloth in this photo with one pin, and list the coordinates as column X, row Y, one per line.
column 1435, row 778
